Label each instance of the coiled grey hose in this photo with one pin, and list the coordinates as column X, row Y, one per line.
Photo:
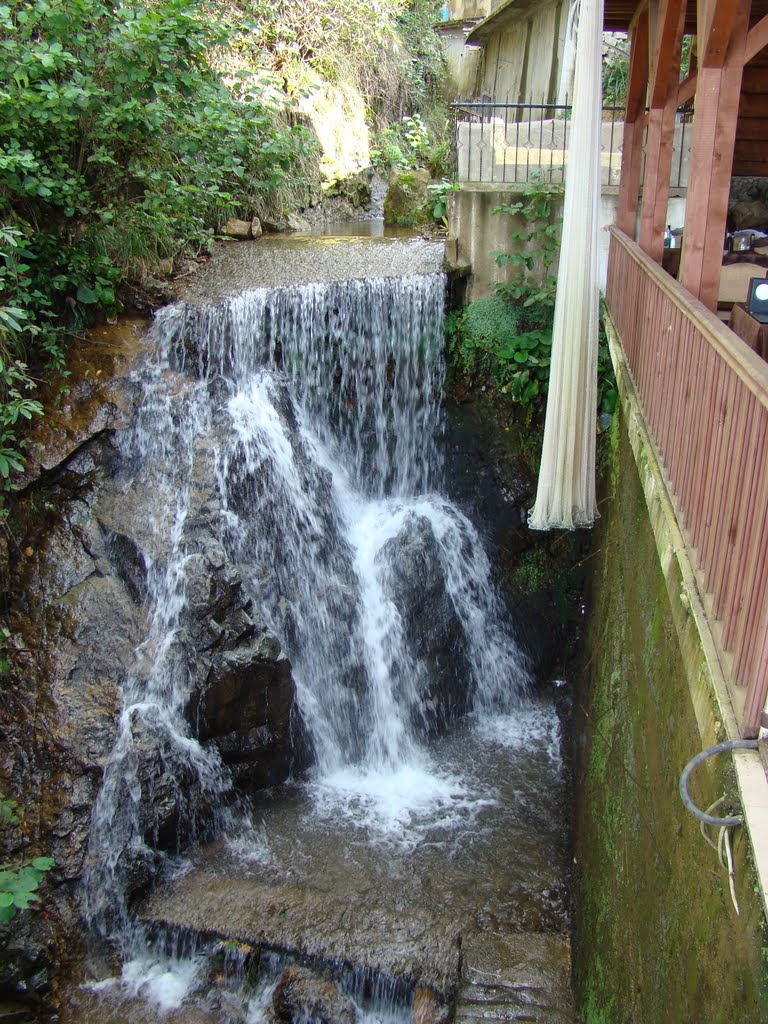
column 720, row 748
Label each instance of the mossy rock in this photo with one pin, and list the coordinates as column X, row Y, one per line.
column 408, row 203
column 356, row 189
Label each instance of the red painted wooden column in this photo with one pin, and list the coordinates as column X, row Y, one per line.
column 718, row 88
column 634, row 123
column 665, row 77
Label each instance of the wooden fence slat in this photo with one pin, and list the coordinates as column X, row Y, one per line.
column 730, row 533
column 721, row 468
column 737, row 620
column 705, row 398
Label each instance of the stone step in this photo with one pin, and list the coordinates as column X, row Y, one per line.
column 522, row 976
column 303, row 920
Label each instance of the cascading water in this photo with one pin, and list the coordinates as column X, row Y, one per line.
column 152, row 720
column 318, row 409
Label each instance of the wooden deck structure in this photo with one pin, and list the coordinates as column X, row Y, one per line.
column 705, row 394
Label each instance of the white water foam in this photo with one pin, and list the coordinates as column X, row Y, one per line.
column 533, row 728
column 399, row 806
column 163, row 982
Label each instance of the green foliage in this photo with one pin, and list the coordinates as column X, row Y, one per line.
column 616, row 69
column 130, row 132
column 506, row 344
column 122, row 144
column 535, row 241
column 117, row 116
column 516, row 352
column 607, row 391
column 685, row 57
column 413, row 142
column 16, row 406
column 18, row 883
column 440, row 191
column 535, row 570
column 387, row 50
column 615, row 73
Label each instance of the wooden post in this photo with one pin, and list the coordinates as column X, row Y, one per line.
column 661, row 125
column 718, row 88
column 634, row 122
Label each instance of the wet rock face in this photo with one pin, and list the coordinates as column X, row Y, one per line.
column 303, row 996
column 415, row 583
column 80, row 593
column 88, row 587
column 428, row 1008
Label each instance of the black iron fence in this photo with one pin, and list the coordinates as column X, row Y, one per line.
column 514, row 143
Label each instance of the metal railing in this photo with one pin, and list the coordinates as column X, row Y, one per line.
column 514, row 143
column 705, row 399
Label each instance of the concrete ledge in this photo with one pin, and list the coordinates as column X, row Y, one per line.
column 713, row 700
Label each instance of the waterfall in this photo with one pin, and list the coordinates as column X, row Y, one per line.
column 318, row 408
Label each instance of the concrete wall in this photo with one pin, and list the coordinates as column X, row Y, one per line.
column 479, row 233
column 657, row 936
column 464, row 62
column 522, row 60
column 468, row 10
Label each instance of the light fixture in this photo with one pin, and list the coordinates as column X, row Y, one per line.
column 757, row 299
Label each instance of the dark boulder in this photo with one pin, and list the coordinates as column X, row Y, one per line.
column 414, row 580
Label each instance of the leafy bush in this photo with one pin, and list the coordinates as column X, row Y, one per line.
column 117, row 116
column 15, row 381
column 18, row 883
column 122, row 144
column 607, row 391
column 387, row 50
column 497, row 341
column 440, row 191
column 413, row 142
column 131, row 131
column 535, row 243
column 615, row 72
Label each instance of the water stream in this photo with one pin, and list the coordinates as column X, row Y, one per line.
column 317, row 406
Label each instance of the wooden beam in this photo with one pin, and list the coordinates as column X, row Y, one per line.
column 709, row 178
column 722, row 16
column 751, row 129
column 641, row 12
column 757, row 38
column 634, row 124
column 751, row 150
column 686, row 90
column 661, row 126
column 664, row 68
column 745, row 169
column 637, row 80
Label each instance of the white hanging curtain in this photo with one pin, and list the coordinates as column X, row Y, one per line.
column 565, row 497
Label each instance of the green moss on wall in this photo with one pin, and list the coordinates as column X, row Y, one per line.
column 657, row 938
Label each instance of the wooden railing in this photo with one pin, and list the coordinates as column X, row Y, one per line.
column 705, row 398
